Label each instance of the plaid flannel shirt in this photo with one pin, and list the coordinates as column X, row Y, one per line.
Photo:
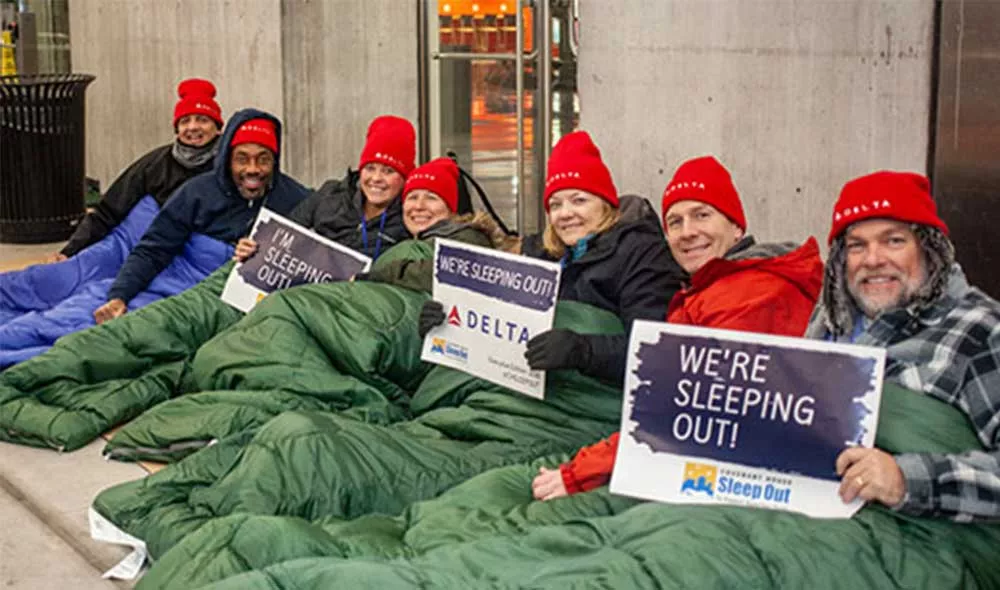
column 951, row 351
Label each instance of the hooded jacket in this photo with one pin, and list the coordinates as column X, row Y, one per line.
column 478, row 229
column 767, row 288
column 336, row 211
column 208, row 204
column 626, row 270
column 156, row 174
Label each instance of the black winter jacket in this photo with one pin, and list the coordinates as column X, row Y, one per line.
column 156, row 174
column 208, row 204
column 627, row 270
column 336, row 211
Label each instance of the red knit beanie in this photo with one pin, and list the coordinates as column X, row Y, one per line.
column 259, row 131
column 390, row 141
column 705, row 180
column 576, row 163
column 197, row 97
column 903, row 196
column 438, row 176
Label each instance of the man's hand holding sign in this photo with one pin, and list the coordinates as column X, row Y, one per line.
column 489, row 305
column 872, row 475
column 715, row 416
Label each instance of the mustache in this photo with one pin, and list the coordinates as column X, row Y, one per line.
column 864, row 275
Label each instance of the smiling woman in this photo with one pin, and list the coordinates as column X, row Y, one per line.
column 430, row 207
column 612, row 253
column 363, row 210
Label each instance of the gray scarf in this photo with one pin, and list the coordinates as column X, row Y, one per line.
column 194, row 157
column 837, row 304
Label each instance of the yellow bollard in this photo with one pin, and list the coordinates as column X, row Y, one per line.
column 8, row 67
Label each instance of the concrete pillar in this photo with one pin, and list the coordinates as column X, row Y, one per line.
column 795, row 97
column 325, row 67
column 140, row 49
column 344, row 63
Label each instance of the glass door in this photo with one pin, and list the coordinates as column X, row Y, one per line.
column 482, row 99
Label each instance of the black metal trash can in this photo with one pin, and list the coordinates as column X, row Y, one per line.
column 42, row 145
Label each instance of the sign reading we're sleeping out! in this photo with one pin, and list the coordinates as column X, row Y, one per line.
column 718, row 416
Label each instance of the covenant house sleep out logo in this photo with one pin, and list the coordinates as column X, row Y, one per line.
column 449, row 349
column 734, row 484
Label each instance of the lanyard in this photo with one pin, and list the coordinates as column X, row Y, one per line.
column 378, row 240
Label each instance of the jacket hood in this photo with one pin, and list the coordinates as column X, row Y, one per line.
column 480, row 221
column 637, row 209
column 838, row 310
column 636, row 216
column 223, row 176
column 800, row 266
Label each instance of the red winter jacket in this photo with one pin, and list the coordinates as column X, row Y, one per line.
column 746, row 291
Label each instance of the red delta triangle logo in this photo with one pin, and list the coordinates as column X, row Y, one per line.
column 454, row 318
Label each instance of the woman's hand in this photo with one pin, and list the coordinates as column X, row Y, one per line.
column 558, row 349
column 431, row 316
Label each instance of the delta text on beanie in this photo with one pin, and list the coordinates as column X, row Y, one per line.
column 705, row 180
column 259, row 131
column 439, row 176
column 575, row 163
column 391, row 141
column 197, row 97
column 887, row 194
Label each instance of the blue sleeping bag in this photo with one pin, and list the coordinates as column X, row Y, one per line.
column 42, row 303
column 42, row 287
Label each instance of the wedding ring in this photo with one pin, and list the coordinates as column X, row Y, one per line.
column 860, row 481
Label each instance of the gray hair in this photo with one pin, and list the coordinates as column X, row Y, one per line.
column 840, row 307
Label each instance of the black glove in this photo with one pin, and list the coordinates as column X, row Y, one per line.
column 558, row 349
column 431, row 316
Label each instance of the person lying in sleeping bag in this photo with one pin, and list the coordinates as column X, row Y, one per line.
column 362, row 211
column 612, row 254
column 221, row 204
column 197, row 124
column 734, row 283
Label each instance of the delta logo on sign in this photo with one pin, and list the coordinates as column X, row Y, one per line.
column 489, row 325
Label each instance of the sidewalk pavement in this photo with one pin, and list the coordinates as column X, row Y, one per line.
column 33, row 557
column 44, row 497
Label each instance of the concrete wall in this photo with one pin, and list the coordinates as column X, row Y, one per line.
column 346, row 62
column 325, row 67
column 140, row 49
column 794, row 96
